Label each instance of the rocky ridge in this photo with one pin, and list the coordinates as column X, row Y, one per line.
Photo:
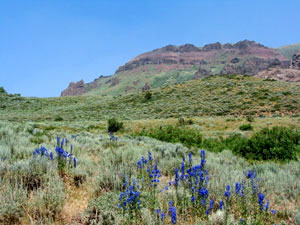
column 174, row 64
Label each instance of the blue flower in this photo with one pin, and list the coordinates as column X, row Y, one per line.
column 51, row 155
column 190, row 157
column 221, row 205
column 150, row 156
column 267, row 205
column 176, row 177
column 162, row 216
column 74, row 162
column 211, row 205
column 227, row 192
column 261, row 198
column 273, row 211
column 237, row 187
column 172, row 211
column 193, row 199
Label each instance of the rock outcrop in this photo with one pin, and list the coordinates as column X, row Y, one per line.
column 296, row 61
column 290, row 75
column 253, row 66
column 249, row 52
column 74, row 89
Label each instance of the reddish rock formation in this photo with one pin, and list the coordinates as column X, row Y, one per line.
column 74, row 89
column 291, row 75
column 296, row 61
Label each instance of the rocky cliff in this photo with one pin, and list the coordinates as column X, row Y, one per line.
column 296, row 61
column 74, row 89
column 291, row 74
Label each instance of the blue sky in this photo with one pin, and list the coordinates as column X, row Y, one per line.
column 46, row 44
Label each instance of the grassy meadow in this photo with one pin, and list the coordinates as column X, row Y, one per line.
column 60, row 165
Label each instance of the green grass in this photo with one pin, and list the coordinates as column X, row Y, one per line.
column 212, row 96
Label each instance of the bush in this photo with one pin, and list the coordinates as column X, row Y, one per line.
column 174, row 134
column 2, row 90
column 148, row 95
column 279, row 143
column 246, row 127
column 114, row 125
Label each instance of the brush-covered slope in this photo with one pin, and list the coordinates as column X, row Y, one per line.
column 176, row 64
column 211, row 96
column 289, row 50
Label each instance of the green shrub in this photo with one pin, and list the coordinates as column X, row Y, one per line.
column 246, row 127
column 148, row 95
column 174, row 134
column 114, row 125
column 277, row 143
column 2, row 91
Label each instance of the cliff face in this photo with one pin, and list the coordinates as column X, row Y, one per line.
column 244, row 57
column 74, row 89
column 296, row 61
column 292, row 74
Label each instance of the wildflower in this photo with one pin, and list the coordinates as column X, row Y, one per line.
column 221, row 205
column 157, row 211
column 211, row 205
column 267, row 205
column 51, row 155
column 172, row 211
column 162, row 216
column 140, row 164
column 273, row 211
column 237, row 187
column 150, row 156
column 155, row 174
column 74, row 162
column 261, row 198
column 176, row 177
column 227, row 192
column 182, row 170
column 193, row 199
column 190, row 158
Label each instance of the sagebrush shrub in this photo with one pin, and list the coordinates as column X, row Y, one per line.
column 114, row 125
column 246, row 127
column 174, row 134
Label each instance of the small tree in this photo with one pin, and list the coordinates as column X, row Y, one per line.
column 114, row 125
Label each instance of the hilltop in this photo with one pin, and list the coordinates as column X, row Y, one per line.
column 210, row 96
column 177, row 64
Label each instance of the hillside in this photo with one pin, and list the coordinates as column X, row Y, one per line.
column 176, row 64
column 289, row 50
column 211, row 96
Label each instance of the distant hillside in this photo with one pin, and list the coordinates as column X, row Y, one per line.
column 289, row 50
column 211, row 96
column 176, row 64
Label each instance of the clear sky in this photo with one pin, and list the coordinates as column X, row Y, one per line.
column 46, row 44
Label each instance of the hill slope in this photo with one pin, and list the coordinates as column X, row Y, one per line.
column 289, row 50
column 176, row 64
column 214, row 95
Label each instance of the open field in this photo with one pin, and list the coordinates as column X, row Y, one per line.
column 91, row 177
column 36, row 188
